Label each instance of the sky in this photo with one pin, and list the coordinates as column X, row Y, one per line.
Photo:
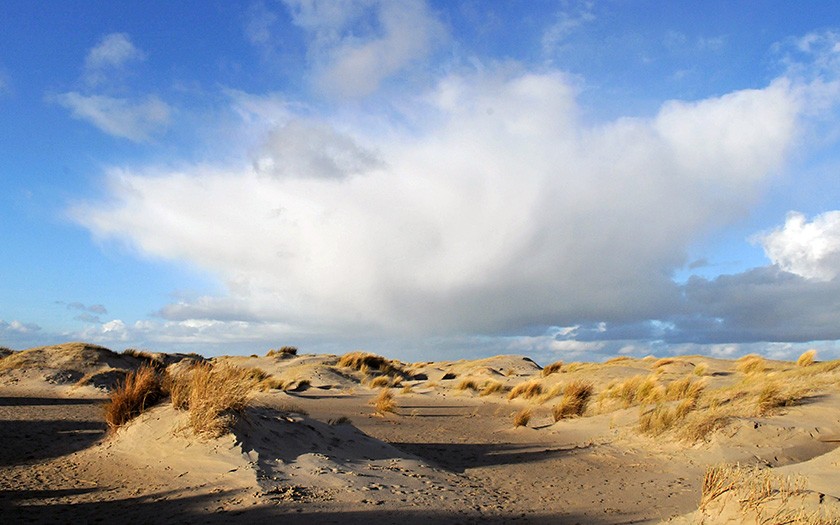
column 422, row 179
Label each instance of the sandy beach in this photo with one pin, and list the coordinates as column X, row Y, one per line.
column 680, row 440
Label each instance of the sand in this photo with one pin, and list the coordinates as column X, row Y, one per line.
column 318, row 453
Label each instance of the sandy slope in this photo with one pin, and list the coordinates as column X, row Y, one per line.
column 445, row 455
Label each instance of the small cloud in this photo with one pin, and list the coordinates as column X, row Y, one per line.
column 808, row 249
column 566, row 23
column 699, row 263
column 112, row 53
column 94, row 308
column 87, row 318
column 137, row 121
column 258, row 24
column 351, row 56
column 17, row 327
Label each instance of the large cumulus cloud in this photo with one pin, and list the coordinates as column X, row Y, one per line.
column 491, row 205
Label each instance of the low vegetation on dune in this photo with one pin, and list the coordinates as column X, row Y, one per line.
column 384, row 402
column 522, row 418
column 283, row 351
column 139, row 390
column 761, row 496
column 527, row 390
column 807, row 358
column 552, row 368
column 368, row 364
column 751, row 364
column 217, row 395
column 575, row 399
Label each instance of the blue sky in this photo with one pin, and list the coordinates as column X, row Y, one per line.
column 568, row 180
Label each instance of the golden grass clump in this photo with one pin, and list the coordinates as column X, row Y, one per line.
column 807, row 358
column 526, row 390
column 467, row 384
column 659, row 363
column 491, row 387
column 217, row 394
column 761, row 496
column 383, row 382
column 636, row 390
column 521, row 418
column 384, row 402
column 685, row 388
column 701, row 369
column 283, row 351
column 751, row 364
column 553, row 368
column 575, row 398
column 617, row 359
column 139, row 390
column 365, row 362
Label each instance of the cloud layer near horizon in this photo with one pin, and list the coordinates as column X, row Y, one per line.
column 490, row 206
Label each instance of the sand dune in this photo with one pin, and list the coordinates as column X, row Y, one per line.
column 312, row 445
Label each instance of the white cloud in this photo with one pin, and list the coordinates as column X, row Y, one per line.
column 135, row 120
column 809, row 249
column 492, row 209
column 111, row 54
column 351, row 59
column 566, row 23
column 259, row 23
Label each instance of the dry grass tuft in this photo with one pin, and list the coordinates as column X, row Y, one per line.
column 701, row 369
column 217, row 395
column 751, row 364
column 526, row 390
column 522, row 418
column 685, row 388
column 662, row 362
column 637, row 390
column 365, row 362
column 553, row 368
column 384, row 382
column 617, row 359
column 283, row 351
column 384, row 402
column 468, row 384
column 575, row 398
column 807, row 358
column 140, row 390
column 491, row 387
column 761, row 496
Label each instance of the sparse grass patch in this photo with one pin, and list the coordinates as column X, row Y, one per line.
column 526, row 390
column 139, row 390
column 762, row 496
column 617, row 359
column 218, row 394
column 521, row 418
column 384, row 402
column 491, row 387
column 751, row 364
column 807, row 358
column 659, row 363
column 685, row 388
column 636, row 390
column 343, row 420
column 701, row 369
column 383, row 382
column 467, row 384
column 575, row 398
column 283, row 351
column 366, row 362
column 553, row 368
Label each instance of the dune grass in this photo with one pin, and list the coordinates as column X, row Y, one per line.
column 576, row 396
column 761, row 496
column 384, row 402
column 807, row 358
column 283, row 351
column 526, row 390
column 751, row 364
column 552, row 368
column 139, row 390
column 522, row 418
column 215, row 395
